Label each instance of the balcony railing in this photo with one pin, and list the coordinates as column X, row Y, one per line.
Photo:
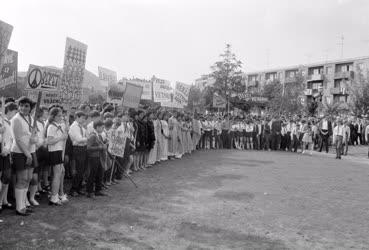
column 345, row 74
column 339, row 91
column 315, row 77
column 308, row 92
column 252, row 83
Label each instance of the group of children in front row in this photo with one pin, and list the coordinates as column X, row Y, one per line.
column 40, row 148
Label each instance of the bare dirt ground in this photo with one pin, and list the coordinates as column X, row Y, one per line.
column 213, row 200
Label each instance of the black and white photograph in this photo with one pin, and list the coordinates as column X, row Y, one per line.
column 184, row 124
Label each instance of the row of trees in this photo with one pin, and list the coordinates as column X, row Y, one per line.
column 283, row 98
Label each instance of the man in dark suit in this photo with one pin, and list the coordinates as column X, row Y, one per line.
column 276, row 128
column 325, row 127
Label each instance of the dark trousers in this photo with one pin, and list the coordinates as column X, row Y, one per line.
column 295, row 143
column 324, row 142
column 207, row 136
column 267, row 141
column 339, row 146
column 276, row 141
column 95, row 175
column 225, row 137
column 284, row 142
column 79, row 156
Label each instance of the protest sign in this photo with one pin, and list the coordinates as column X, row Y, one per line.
column 115, row 93
column 219, row 102
column 9, row 70
column 73, row 71
column 181, row 94
column 5, row 34
column 162, row 90
column 107, row 77
column 117, row 142
column 132, row 95
column 146, row 87
column 45, row 79
column 48, row 98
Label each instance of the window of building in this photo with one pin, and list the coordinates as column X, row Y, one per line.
column 316, row 85
column 361, row 66
column 337, row 83
column 329, row 70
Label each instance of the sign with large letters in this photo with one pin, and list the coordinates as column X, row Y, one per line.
column 181, row 93
column 117, row 142
column 162, row 90
column 9, row 69
column 45, row 79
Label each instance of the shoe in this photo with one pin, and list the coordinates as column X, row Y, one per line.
column 54, row 200
column 81, row 192
column 100, row 194
column 63, row 198
column 29, row 210
column 34, row 203
column 8, row 206
column 73, row 194
column 23, row 212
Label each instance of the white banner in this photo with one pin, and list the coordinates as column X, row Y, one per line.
column 107, row 77
column 162, row 90
column 181, row 94
column 146, row 87
column 74, row 66
column 43, row 78
column 132, row 95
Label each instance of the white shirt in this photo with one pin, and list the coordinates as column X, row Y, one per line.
column 21, row 131
column 56, row 131
column 90, row 128
column 77, row 134
column 338, row 130
column 325, row 125
column 40, row 133
column 7, row 136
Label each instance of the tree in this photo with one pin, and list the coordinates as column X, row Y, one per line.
column 96, row 98
column 359, row 93
column 194, row 97
column 227, row 74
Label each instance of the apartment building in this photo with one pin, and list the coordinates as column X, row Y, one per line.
column 204, row 81
column 327, row 81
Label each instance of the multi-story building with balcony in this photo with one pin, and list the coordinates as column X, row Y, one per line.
column 329, row 81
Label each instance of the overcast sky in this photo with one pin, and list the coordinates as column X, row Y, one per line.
column 180, row 40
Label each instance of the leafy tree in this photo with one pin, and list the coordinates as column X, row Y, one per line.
column 227, row 74
column 96, row 98
column 194, row 97
column 359, row 92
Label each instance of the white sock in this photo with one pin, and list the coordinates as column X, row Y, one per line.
column 32, row 192
column 19, row 198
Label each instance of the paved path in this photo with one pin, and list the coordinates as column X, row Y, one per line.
column 214, row 200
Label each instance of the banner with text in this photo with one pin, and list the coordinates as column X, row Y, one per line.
column 9, row 69
column 43, row 79
column 162, row 90
column 5, row 34
column 132, row 95
column 107, row 77
column 181, row 94
column 74, row 66
column 219, row 102
column 146, row 87
column 117, row 142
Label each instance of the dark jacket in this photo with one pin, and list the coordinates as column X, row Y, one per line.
column 150, row 135
column 276, row 127
column 94, row 146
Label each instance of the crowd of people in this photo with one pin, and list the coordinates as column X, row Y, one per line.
column 44, row 146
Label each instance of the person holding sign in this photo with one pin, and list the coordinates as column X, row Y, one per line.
column 22, row 153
